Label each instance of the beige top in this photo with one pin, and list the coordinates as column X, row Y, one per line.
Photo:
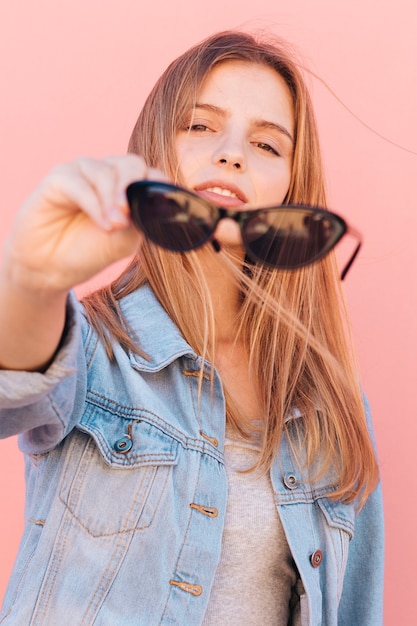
column 256, row 575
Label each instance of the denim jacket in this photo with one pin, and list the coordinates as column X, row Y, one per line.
column 127, row 491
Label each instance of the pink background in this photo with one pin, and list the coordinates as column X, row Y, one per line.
column 73, row 77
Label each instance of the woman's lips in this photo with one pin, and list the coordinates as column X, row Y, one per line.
column 221, row 193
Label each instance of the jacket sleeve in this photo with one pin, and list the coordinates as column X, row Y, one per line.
column 43, row 407
column 362, row 597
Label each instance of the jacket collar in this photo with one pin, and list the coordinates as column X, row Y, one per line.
column 157, row 335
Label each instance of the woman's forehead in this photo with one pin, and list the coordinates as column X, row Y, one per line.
column 255, row 89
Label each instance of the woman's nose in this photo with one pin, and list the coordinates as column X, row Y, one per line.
column 235, row 162
column 230, row 154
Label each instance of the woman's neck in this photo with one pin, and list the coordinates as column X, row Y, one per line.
column 226, row 295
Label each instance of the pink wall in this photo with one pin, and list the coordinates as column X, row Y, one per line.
column 73, row 76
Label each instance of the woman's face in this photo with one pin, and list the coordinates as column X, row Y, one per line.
column 236, row 146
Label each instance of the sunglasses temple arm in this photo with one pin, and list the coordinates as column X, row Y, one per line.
column 351, row 260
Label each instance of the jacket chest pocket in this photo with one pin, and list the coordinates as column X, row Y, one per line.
column 108, row 490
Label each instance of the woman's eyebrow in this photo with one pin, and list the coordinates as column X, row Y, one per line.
column 258, row 123
column 264, row 124
column 210, row 107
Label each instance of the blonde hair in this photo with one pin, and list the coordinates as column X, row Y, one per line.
column 292, row 324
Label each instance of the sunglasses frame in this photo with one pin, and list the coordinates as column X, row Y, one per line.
column 136, row 189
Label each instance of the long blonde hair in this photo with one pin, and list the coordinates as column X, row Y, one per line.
column 292, row 324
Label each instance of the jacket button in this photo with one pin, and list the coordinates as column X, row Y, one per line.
column 123, row 445
column 290, row 481
column 316, row 558
column 195, row 590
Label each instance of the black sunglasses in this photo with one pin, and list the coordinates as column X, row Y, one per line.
column 285, row 237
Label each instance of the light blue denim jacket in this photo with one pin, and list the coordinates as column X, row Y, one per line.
column 127, row 492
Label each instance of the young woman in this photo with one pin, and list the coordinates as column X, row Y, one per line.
column 197, row 443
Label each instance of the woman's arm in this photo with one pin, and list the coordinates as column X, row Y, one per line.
column 362, row 597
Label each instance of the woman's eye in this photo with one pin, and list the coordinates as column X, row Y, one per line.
column 266, row 147
column 198, row 128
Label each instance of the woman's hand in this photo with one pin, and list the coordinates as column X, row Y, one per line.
column 75, row 224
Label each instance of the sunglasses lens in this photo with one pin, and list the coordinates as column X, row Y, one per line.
column 170, row 217
column 291, row 237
